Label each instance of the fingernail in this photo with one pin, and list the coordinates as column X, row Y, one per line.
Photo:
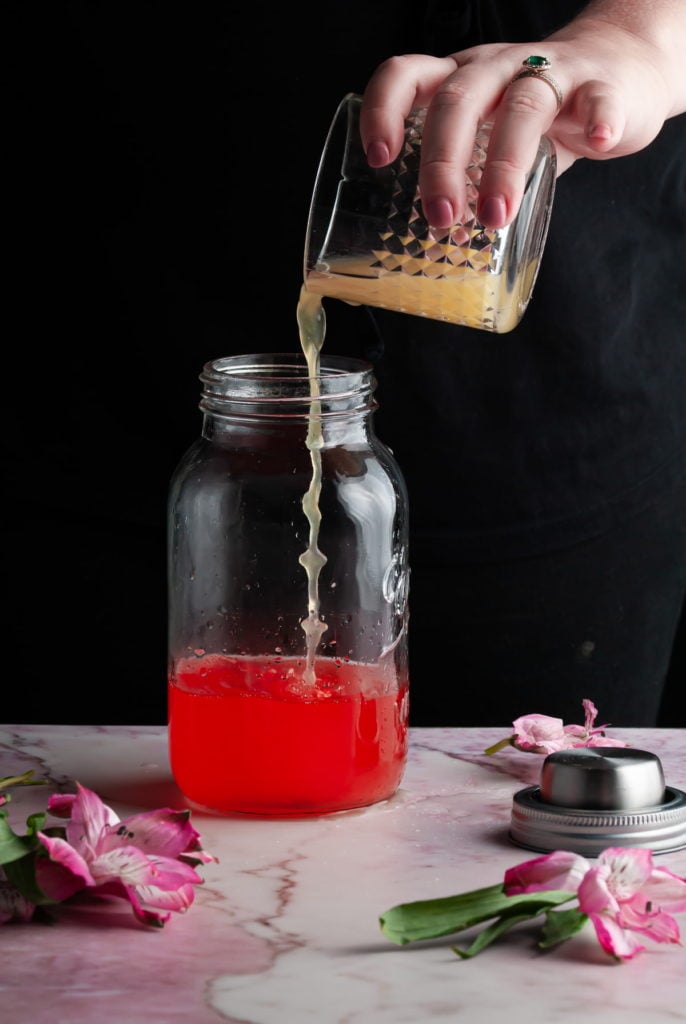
column 439, row 212
column 377, row 153
column 600, row 131
column 492, row 212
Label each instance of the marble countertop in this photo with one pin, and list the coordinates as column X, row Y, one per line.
column 285, row 928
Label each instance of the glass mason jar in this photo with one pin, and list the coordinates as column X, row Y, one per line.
column 287, row 593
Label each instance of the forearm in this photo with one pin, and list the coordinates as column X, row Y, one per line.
column 658, row 24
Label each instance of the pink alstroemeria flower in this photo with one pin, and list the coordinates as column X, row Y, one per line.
column 541, row 734
column 623, row 893
column 147, row 858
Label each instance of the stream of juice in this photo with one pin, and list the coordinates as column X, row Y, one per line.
column 312, row 326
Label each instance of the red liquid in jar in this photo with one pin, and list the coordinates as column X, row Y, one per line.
column 247, row 735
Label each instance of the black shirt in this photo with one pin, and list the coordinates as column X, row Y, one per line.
column 519, row 443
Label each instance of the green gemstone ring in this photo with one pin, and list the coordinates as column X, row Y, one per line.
column 536, row 63
column 536, row 67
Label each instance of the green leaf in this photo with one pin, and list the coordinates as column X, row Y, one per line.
column 18, row 856
column 22, row 874
column 561, row 925
column 430, row 919
column 35, row 822
column 21, row 780
column 488, row 935
column 14, row 847
column 507, row 742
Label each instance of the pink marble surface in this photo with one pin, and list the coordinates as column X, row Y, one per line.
column 285, row 928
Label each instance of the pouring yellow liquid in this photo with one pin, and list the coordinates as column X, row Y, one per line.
column 467, row 295
column 469, row 299
column 312, row 326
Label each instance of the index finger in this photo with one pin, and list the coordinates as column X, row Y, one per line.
column 398, row 86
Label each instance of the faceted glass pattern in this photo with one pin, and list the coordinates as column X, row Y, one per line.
column 368, row 242
column 410, row 245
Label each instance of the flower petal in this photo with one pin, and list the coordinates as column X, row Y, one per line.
column 57, row 882
column 178, row 899
column 539, row 733
column 126, row 863
column 558, row 870
column 541, row 727
column 614, row 939
column 591, row 713
column 166, row 832
column 629, row 868
column 603, row 741
column 194, row 852
column 61, row 804
column 144, row 896
column 89, row 816
column 654, row 924
column 64, row 871
column 197, row 855
column 666, row 890
column 594, row 893
column 170, row 873
column 133, row 867
column 145, row 916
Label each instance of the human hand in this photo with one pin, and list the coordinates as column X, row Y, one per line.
column 618, row 88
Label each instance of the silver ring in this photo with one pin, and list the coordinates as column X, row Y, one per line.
column 537, row 67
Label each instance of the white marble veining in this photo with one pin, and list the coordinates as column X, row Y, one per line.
column 285, row 929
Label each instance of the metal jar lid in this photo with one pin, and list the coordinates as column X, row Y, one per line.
column 594, row 797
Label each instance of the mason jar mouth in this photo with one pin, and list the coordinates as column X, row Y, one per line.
column 281, row 384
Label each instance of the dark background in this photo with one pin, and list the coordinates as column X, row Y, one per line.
column 160, row 162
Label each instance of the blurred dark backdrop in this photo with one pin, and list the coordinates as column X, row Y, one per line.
column 160, row 163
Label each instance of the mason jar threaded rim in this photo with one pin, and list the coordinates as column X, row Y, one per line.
column 280, row 384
